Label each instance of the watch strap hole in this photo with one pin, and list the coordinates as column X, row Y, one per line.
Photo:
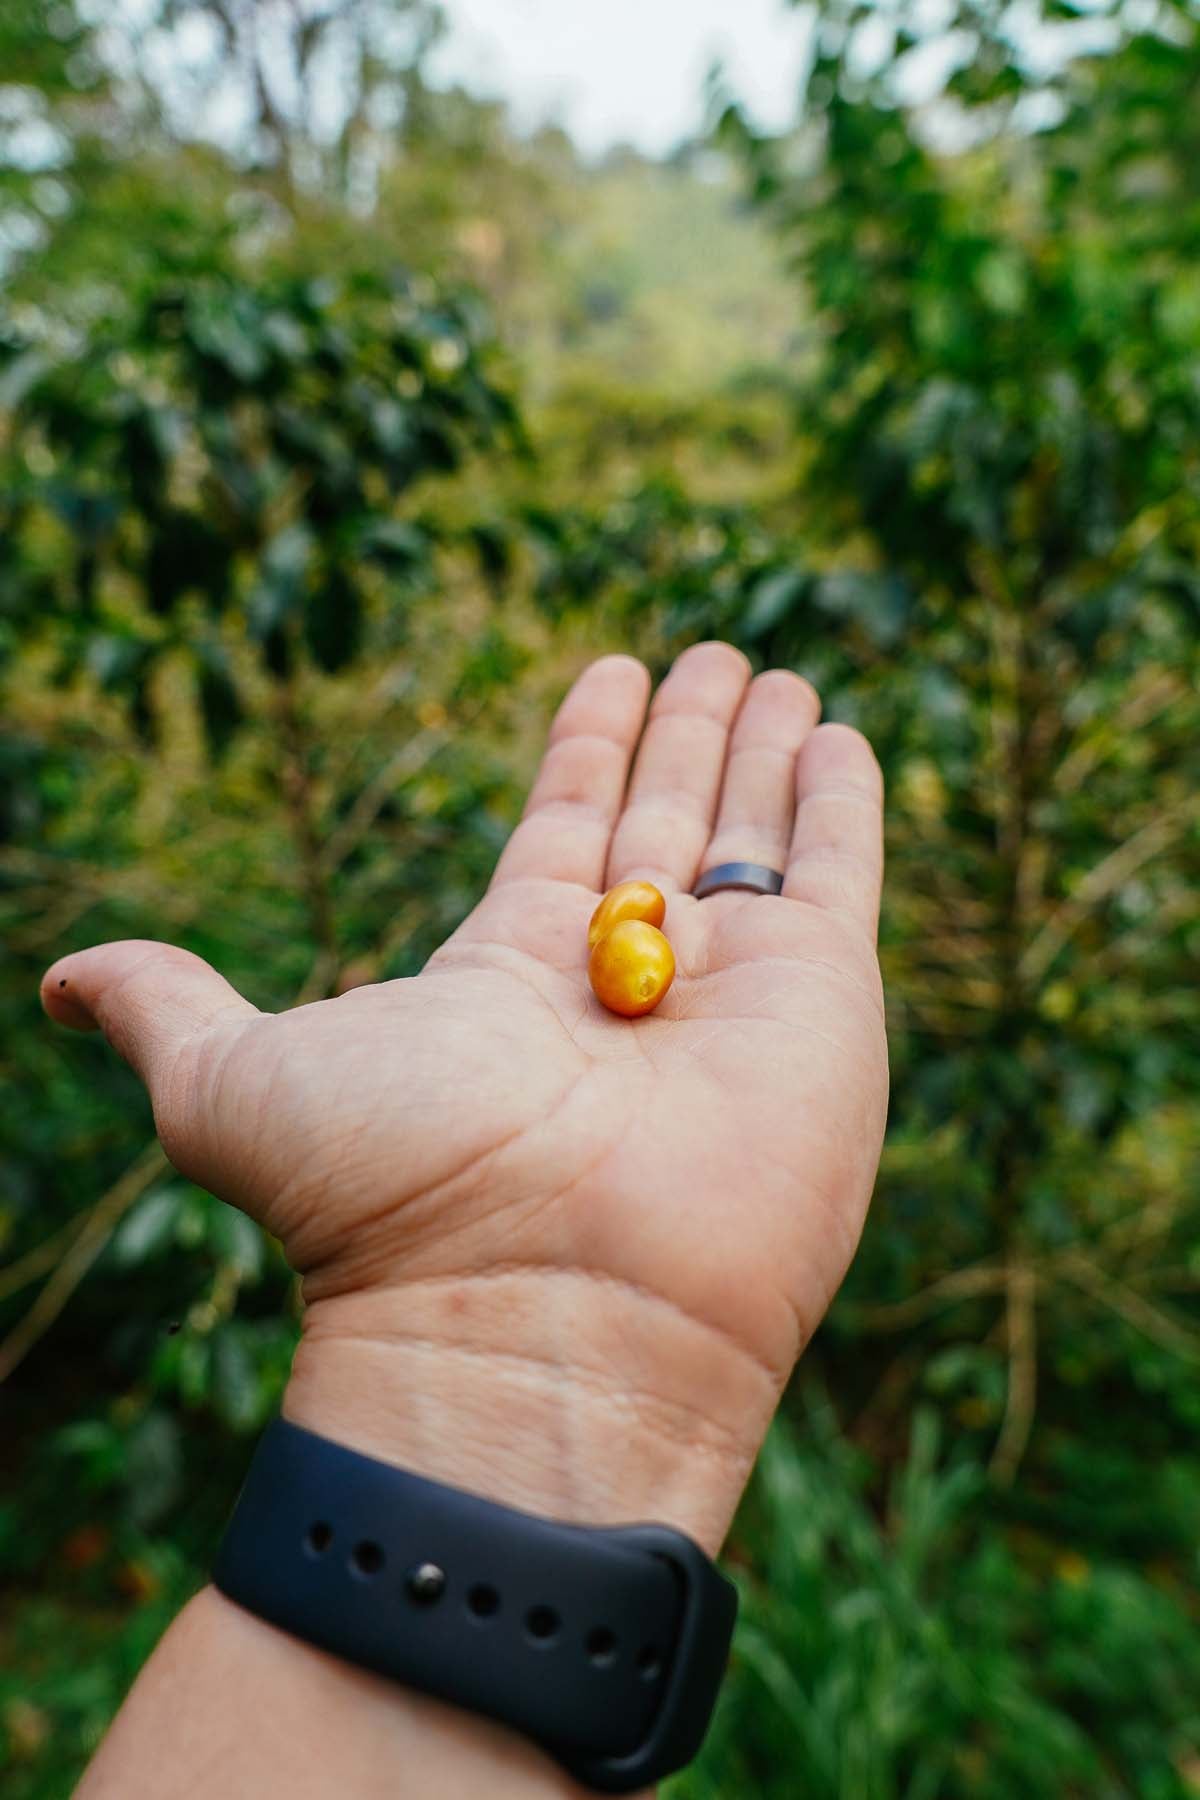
column 543, row 1624
column 483, row 1600
column 366, row 1558
column 601, row 1647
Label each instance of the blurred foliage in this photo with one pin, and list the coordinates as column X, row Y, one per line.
column 889, row 1653
column 292, row 563
column 241, row 448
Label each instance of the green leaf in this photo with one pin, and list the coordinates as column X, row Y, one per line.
column 148, row 1228
column 235, row 1384
column 220, row 703
column 494, row 548
column 283, row 576
column 879, row 603
column 773, row 597
column 224, row 324
column 333, row 621
column 117, row 659
column 395, row 544
column 19, row 375
column 186, row 555
column 153, row 1467
column 238, row 1241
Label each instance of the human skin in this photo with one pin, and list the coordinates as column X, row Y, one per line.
column 559, row 1258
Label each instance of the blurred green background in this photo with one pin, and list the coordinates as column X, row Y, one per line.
column 327, row 456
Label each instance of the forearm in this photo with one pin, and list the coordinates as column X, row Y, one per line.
column 472, row 1385
column 230, row 1707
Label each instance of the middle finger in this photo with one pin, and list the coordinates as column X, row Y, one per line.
column 672, row 797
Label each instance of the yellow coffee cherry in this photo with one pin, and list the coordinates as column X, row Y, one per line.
column 631, row 968
column 628, row 900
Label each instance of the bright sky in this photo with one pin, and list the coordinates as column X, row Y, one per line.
column 624, row 70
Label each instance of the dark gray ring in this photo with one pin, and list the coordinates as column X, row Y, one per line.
column 753, row 878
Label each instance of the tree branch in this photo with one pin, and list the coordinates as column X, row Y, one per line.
column 1104, row 880
column 1021, row 1403
column 95, row 1232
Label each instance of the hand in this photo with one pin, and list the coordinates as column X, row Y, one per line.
column 566, row 1259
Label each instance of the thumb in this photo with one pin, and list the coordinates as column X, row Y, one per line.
column 159, row 1008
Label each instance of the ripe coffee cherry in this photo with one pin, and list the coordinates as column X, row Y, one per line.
column 628, row 900
column 631, row 968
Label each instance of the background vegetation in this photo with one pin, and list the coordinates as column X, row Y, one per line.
column 327, row 454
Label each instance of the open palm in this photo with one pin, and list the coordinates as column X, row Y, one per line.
column 525, row 1223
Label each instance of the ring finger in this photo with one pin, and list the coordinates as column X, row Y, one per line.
column 758, row 795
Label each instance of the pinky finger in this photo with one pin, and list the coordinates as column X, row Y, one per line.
column 836, row 856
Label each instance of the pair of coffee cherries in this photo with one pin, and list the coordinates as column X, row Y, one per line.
column 630, row 963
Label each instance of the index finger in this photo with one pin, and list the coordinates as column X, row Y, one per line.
column 568, row 820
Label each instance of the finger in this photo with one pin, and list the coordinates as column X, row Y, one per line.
column 836, row 857
column 758, row 796
column 568, row 819
column 672, row 799
column 157, row 1005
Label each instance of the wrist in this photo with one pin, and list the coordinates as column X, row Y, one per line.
column 532, row 1389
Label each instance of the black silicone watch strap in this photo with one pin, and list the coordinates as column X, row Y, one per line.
column 605, row 1644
